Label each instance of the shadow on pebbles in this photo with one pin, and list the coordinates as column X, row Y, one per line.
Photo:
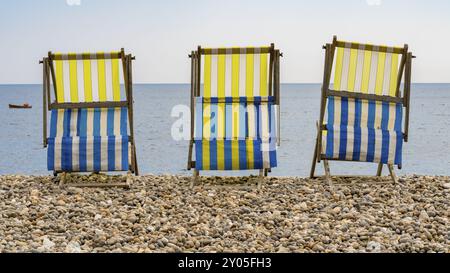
column 163, row 214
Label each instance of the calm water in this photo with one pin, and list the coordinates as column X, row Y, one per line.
column 428, row 151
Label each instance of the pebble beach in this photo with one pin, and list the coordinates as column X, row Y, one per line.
column 163, row 214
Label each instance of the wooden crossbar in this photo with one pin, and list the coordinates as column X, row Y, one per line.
column 236, row 50
column 85, row 56
column 82, row 105
column 363, row 96
column 368, row 47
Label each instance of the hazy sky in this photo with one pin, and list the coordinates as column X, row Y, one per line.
column 161, row 33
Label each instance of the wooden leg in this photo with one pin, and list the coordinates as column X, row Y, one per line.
column 314, row 161
column 189, row 167
column 129, row 179
column 380, row 170
column 328, row 179
column 62, row 180
column 393, row 176
column 261, row 178
column 134, row 163
column 194, row 179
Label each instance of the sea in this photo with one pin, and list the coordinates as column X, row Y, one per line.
column 426, row 153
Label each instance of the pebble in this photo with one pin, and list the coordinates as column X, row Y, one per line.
column 373, row 247
column 73, row 247
column 423, row 217
column 161, row 214
column 47, row 244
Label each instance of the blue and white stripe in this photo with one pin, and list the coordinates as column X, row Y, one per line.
column 88, row 140
column 364, row 130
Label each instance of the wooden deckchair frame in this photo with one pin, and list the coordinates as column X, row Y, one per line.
column 404, row 69
column 274, row 90
column 49, row 76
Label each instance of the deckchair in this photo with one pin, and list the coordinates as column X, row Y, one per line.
column 364, row 115
column 91, row 125
column 234, row 110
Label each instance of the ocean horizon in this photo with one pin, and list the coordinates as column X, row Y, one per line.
column 427, row 152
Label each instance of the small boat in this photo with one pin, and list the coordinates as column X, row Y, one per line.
column 23, row 106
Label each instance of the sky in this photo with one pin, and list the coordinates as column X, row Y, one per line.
column 161, row 33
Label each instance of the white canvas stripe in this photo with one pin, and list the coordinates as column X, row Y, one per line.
column 90, row 122
column 364, row 143
column 373, row 72
column 378, row 145
column 117, row 114
column 378, row 114
column 109, row 79
column 80, row 79
column 251, row 108
column 118, row 148
column 123, row 95
column 265, row 148
column 336, row 141
column 359, row 69
column 364, row 113
column 228, row 73
column 392, row 116
column 73, row 123
column 257, row 73
column 104, row 154
column 58, row 150
column 94, row 77
column 345, row 69
column 66, row 79
column 265, row 122
column 337, row 123
column 75, row 153
column 242, row 73
column 387, row 73
column 60, row 123
column 103, row 122
column 325, row 141
column 274, row 130
column 392, row 146
column 337, row 111
column 90, row 153
column 214, row 71
column 350, row 143
column 351, row 112
column 350, row 129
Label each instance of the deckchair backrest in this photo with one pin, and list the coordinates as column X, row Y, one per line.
column 89, row 77
column 235, row 72
column 367, row 69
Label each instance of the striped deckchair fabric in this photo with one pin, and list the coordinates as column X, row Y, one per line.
column 363, row 130
column 89, row 140
column 236, row 73
column 364, row 110
column 235, row 134
column 235, row 105
column 88, row 77
column 366, row 69
column 91, row 112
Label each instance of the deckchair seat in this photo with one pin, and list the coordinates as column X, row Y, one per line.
column 364, row 130
column 89, row 140
column 235, row 133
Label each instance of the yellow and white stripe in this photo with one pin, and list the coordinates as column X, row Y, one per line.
column 86, row 77
column 366, row 69
column 235, row 75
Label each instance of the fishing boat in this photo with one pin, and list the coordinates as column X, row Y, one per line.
column 23, row 106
